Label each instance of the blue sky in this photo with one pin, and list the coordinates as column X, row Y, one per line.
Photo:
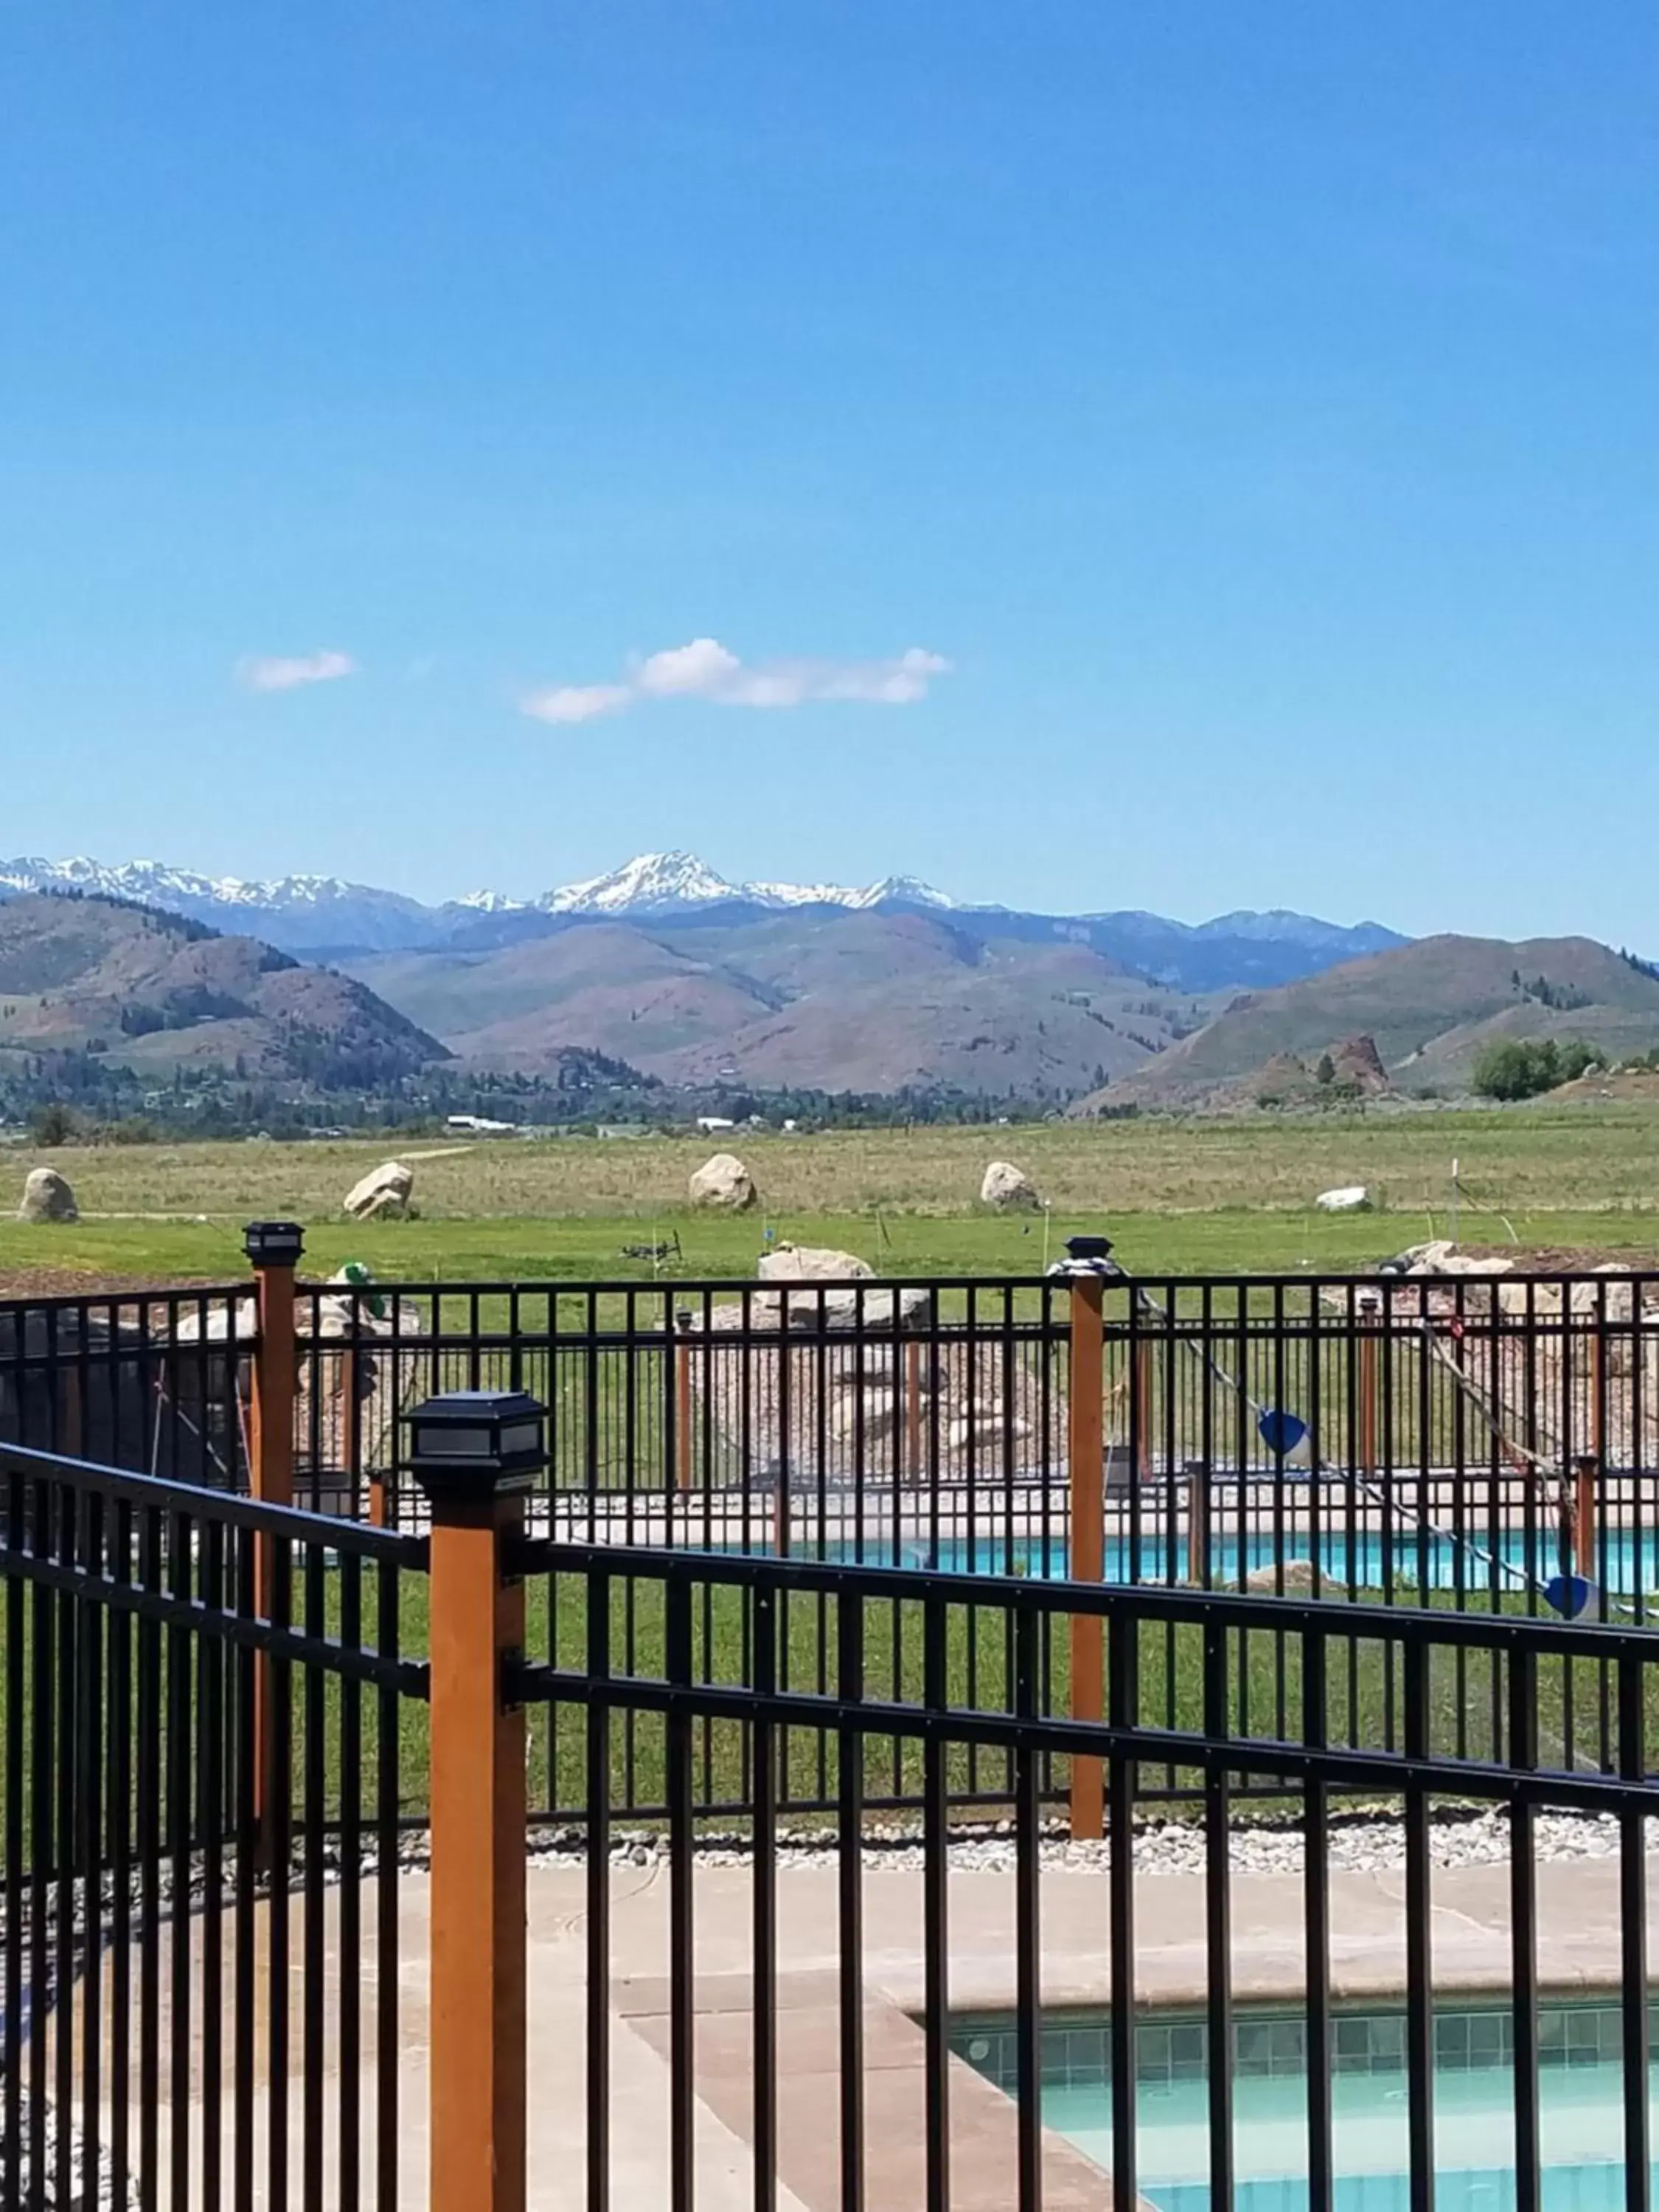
column 1255, row 407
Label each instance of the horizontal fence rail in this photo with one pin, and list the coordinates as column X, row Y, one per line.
column 928, row 1422
column 206, row 1738
column 219, row 1719
column 816, row 2117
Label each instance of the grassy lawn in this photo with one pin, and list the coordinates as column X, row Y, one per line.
column 1364, row 1704
column 1179, row 1196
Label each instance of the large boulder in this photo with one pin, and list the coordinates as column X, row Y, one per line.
column 1350, row 1198
column 812, row 1263
column 383, row 1194
column 1296, row 1575
column 724, row 1182
column 1009, row 1190
column 47, row 1197
column 871, row 1310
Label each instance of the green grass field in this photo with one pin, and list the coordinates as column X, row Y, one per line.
column 1179, row 1196
column 1466, row 1692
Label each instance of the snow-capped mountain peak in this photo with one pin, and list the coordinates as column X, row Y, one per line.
column 649, row 880
column 656, row 882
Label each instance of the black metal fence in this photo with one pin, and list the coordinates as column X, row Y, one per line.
column 213, row 1733
column 1367, row 1433
column 208, row 1744
column 809, row 2114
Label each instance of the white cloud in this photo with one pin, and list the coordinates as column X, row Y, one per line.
column 705, row 669
column 578, row 703
column 701, row 669
column 279, row 673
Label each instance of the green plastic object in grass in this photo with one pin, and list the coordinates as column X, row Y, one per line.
column 360, row 1278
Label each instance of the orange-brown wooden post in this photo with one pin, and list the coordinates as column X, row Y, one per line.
column 273, row 1247
column 1085, row 1425
column 1598, row 1403
column 683, row 1427
column 1144, row 1409
column 1366, row 1395
column 1584, row 1515
column 1198, row 1521
column 475, row 1455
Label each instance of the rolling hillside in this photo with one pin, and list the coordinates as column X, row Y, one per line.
column 870, row 1000
column 1429, row 1006
column 151, row 991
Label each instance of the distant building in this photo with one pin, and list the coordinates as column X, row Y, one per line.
column 712, row 1124
column 474, row 1124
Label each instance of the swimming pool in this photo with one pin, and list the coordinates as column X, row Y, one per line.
column 1630, row 1565
column 1580, row 2092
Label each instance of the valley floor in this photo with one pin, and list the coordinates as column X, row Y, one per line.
column 1232, row 1196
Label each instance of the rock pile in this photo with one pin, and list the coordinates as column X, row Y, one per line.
column 47, row 1197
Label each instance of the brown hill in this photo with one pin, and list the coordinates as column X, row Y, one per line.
column 836, row 1000
column 1427, row 1009
column 151, row 992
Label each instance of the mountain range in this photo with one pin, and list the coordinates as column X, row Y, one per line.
column 711, row 993
column 153, row 991
column 325, row 918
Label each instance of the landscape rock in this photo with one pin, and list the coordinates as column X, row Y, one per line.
column 1009, row 1188
column 383, row 1194
column 879, row 1413
column 982, row 1429
column 47, row 1197
column 1472, row 1263
column 1424, row 1259
column 1542, row 1299
column 724, row 1182
column 844, row 1309
column 812, row 1263
column 1298, row 1576
column 1352, row 1198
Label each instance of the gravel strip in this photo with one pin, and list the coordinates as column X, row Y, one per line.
column 1358, row 1842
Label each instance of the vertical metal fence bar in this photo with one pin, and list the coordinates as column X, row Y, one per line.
column 849, row 1837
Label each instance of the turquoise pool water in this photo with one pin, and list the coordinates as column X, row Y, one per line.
column 1580, row 2091
column 1631, row 1566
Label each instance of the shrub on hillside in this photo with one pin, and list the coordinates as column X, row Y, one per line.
column 1525, row 1067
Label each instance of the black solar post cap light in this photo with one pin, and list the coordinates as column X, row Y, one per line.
column 274, row 1244
column 477, row 1442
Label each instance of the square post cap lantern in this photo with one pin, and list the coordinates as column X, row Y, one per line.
column 1090, row 1247
column 274, row 1244
column 477, row 1444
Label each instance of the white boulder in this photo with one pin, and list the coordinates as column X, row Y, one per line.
column 383, row 1194
column 812, row 1263
column 47, row 1197
column 724, row 1182
column 1297, row 1577
column 1352, row 1198
column 1009, row 1188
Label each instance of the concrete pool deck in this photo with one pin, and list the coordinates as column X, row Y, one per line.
column 1578, row 1953
column 1578, row 1942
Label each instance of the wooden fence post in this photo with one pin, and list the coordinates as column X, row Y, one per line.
column 273, row 1248
column 1366, row 1394
column 1085, row 1415
column 1585, row 1471
column 477, row 1911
